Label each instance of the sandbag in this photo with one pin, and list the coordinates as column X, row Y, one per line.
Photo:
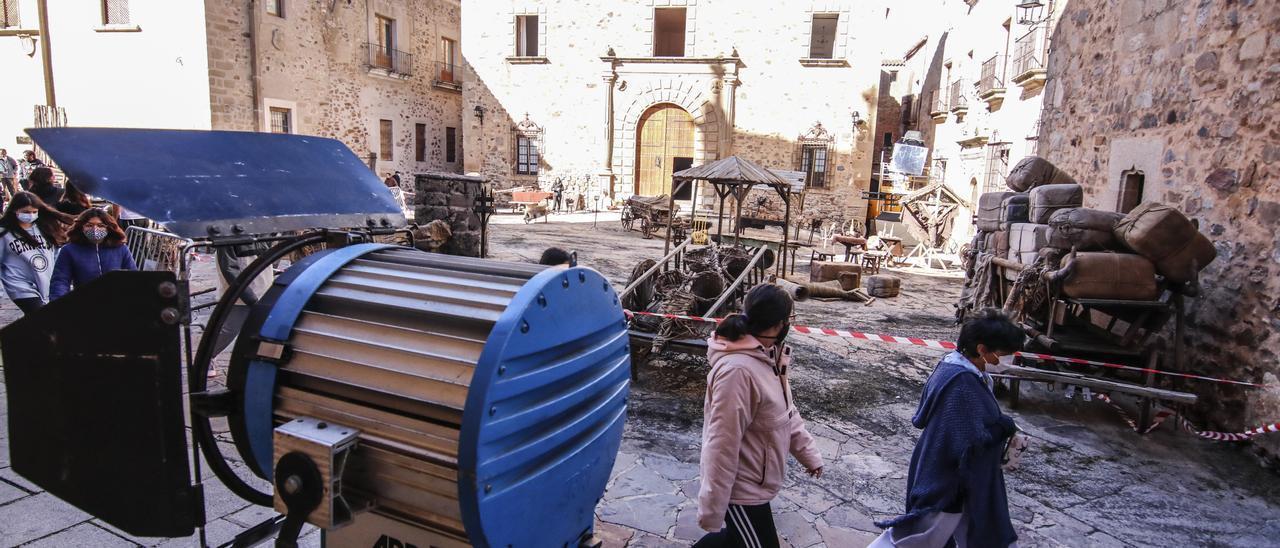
column 1166, row 237
column 1015, row 209
column 825, row 271
column 1000, row 244
column 850, row 281
column 1047, row 199
column 989, row 208
column 1185, row 264
column 883, row 285
column 1025, row 241
column 1083, row 229
column 797, row 291
column 1034, row 171
column 1102, row 275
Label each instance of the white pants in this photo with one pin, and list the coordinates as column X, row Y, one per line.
column 932, row 531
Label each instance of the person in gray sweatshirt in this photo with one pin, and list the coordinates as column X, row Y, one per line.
column 30, row 233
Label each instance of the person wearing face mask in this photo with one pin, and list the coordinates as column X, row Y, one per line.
column 955, row 484
column 30, row 233
column 96, row 246
column 750, row 424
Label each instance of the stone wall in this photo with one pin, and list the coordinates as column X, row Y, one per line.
column 587, row 101
column 1185, row 92
column 314, row 62
column 451, row 198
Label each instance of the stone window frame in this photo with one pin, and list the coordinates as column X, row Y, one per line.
column 840, row 50
column 690, row 24
column 816, row 138
column 295, row 117
column 532, row 132
column 544, row 42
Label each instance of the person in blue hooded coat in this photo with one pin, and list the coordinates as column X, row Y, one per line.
column 955, row 485
column 96, row 246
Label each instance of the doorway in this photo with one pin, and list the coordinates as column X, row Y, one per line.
column 664, row 147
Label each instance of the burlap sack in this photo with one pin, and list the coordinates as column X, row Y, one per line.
column 883, row 285
column 1101, row 275
column 989, row 207
column 1047, row 199
column 1034, row 171
column 1015, row 209
column 1025, row 241
column 1166, row 237
column 1083, row 229
column 825, row 271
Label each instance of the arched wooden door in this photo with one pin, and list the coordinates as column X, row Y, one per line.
column 665, row 146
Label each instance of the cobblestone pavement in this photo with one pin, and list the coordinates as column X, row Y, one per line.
column 1086, row 481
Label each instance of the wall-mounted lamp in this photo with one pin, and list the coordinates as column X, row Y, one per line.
column 28, row 44
column 479, row 110
column 1031, row 12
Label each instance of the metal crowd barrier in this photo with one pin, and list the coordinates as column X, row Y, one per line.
column 156, row 249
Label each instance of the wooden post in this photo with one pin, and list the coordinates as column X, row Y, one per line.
column 671, row 215
column 722, row 193
column 786, row 233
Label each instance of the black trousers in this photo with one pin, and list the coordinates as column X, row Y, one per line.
column 745, row 527
column 29, row 305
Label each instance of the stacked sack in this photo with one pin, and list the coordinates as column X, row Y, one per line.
column 1112, row 256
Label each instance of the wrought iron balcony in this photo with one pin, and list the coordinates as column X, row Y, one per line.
column 959, row 102
column 394, row 62
column 448, row 75
column 1029, row 60
column 938, row 106
column 991, row 83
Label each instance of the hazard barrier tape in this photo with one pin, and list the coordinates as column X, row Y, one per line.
column 1163, row 414
column 947, row 345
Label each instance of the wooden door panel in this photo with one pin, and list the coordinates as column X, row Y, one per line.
column 666, row 132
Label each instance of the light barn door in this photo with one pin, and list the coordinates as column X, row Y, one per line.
column 666, row 132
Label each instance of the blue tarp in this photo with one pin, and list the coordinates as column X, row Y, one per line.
column 223, row 183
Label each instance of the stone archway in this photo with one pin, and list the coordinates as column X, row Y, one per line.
column 706, row 120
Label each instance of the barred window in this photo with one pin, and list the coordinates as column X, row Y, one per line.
column 420, row 142
column 815, row 155
column 450, row 144
column 115, row 12
column 822, row 40
column 9, row 17
column 997, row 167
column 275, row 7
column 281, row 120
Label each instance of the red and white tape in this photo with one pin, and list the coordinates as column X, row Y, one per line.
column 1163, row 414
column 948, row 345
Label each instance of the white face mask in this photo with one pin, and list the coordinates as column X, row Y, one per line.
column 28, row 217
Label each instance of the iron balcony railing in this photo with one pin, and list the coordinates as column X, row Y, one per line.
column 448, row 74
column 938, row 103
column 394, row 61
column 958, row 98
column 992, row 75
column 1029, row 53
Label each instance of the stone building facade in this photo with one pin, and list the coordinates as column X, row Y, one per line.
column 610, row 97
column 381, row 76
column 972, row 82
column 1174, row 101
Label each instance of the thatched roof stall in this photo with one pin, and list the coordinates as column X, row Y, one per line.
column 736, row 176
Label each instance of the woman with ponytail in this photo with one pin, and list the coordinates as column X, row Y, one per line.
column 750, row 424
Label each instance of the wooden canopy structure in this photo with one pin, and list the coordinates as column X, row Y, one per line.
column 736, row 176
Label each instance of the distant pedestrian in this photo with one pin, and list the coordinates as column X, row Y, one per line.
column 558, row 189
column 95, row 246
column 40, row 183
column 396, row 176
column 8, row 174
column 73, row 201
column 26, row 165
column 750, row 424
column 30, row 233
column 554, row 256
column 955, row 485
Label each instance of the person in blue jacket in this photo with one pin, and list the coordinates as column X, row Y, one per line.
column 95, row 246
column 955, row 485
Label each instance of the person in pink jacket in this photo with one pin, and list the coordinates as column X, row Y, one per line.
column 750, row 424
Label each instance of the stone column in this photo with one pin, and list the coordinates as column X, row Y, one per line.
column 730, row 120
column 605, row 177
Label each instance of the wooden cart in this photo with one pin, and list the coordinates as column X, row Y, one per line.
column 650, row 213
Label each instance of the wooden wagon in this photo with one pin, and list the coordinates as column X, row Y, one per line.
column 647, row 213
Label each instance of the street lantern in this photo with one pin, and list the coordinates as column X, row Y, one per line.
column 1030, row 12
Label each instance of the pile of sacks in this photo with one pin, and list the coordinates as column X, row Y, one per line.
column 1097, row 254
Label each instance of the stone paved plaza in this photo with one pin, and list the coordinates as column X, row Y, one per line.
column 1087, row 480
